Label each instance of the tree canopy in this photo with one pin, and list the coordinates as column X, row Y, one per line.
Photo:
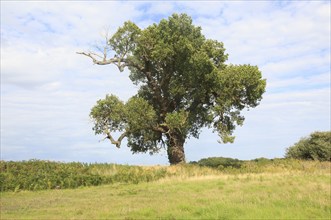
column 184, row 85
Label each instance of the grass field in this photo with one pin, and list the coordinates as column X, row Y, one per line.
column 285, row 194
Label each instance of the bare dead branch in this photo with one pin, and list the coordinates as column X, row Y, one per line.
column 95, row 54
column 114, row 60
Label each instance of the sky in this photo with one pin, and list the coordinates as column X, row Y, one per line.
column 47, row 90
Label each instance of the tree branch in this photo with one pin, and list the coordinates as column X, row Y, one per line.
column 120, row 62
column 163, row 128
column 104, row 61
column 119, row 140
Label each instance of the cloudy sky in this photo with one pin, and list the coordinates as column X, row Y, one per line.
column 47, row 90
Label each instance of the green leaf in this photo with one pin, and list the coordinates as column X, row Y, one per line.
column 140, row 114
column 178, row 121
column 108, row 113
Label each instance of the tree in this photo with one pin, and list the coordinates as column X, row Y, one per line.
column 184, row 85
column 317, row 146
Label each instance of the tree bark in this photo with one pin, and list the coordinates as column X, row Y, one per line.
column 175, row 149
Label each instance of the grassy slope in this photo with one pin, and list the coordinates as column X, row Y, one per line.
column 286, row 195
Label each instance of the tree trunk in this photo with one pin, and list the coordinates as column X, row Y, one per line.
column 175, row 150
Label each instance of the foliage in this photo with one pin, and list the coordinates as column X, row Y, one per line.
column 220, row 162
column 184, row 85
column 36, row 175
column 39, row 175
column 315, row 147
column 261, row 165
column 111, row 105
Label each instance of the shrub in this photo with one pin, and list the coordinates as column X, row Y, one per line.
column 315, row 147
column 220, row 162
column 41, row 175
column 38, row 175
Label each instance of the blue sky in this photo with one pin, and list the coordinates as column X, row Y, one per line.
column 47, row 90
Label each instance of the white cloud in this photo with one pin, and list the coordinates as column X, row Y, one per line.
column 270, row 32
column 61, row 19
column 159, row 8
column 311, row 81
column 28, row 65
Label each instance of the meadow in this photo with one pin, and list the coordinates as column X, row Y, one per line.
column 261, row 189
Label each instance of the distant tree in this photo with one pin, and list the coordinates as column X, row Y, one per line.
column 315, row 147
column 184, row 85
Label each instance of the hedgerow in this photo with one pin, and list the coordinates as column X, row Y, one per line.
column 262, row 165
column 40, row 175
column 220, row 162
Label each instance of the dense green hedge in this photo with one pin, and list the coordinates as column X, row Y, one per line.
column 38, row 175
column 220, row 162
column 261, row 165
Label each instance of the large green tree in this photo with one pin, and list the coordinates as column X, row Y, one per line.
column 184, row 85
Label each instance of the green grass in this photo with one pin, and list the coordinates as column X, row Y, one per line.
column 269, row 195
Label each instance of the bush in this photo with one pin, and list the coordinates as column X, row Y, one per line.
column 315, row 147
column 38, row 175
column 41, row 175
column 220, row 162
